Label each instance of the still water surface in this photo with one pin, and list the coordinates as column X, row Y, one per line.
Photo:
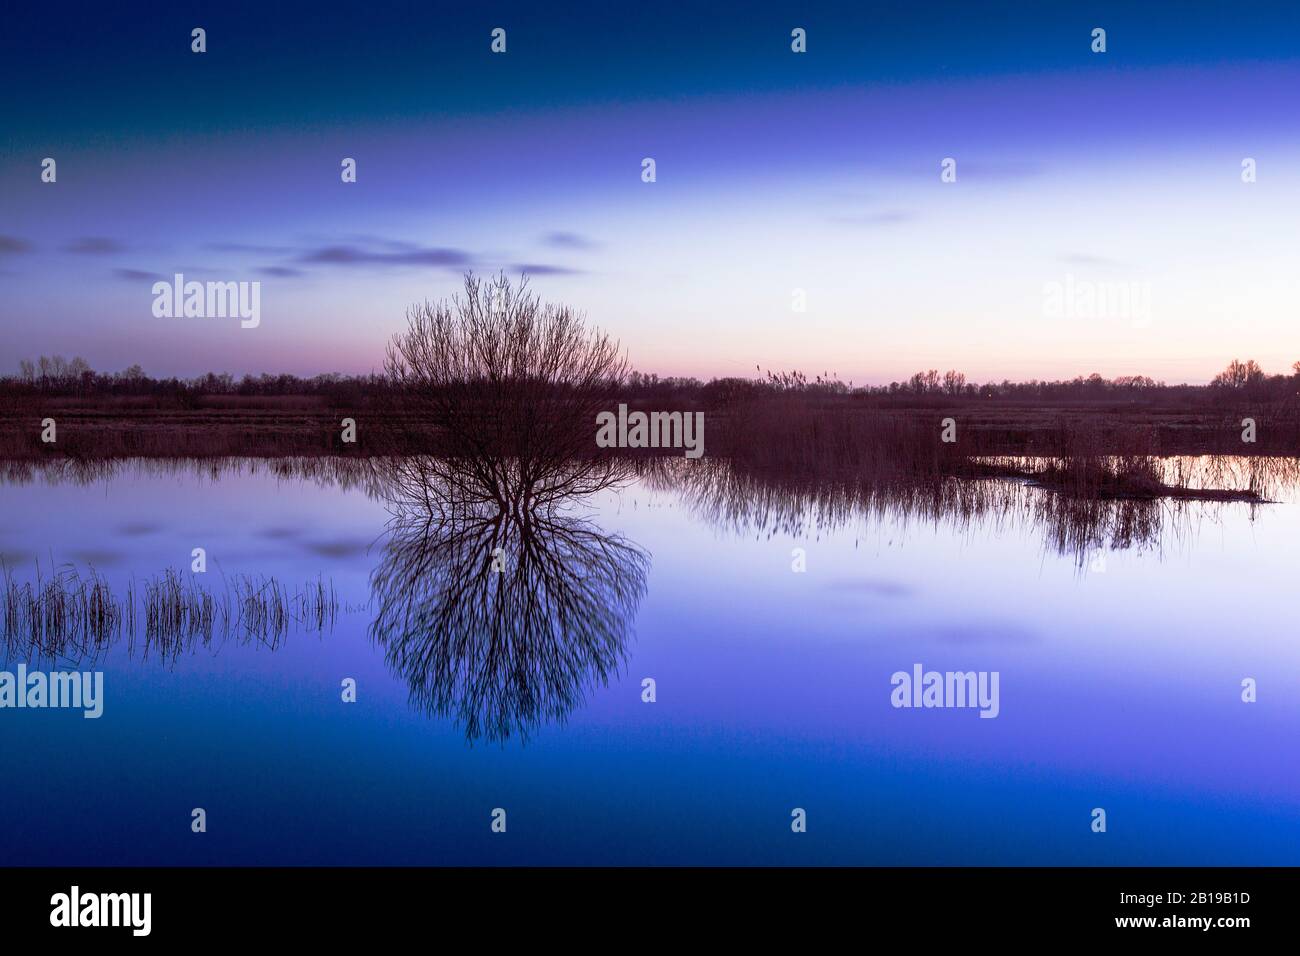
column 1120, row 662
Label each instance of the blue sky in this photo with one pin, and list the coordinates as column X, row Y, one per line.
column 780, row 177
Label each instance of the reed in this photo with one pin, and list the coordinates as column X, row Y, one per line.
column 767, row 503
column 67, row 614
column 76, row 615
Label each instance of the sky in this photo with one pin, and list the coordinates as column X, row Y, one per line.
column 799, row 219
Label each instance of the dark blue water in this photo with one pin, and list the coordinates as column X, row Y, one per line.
column 1120, row 688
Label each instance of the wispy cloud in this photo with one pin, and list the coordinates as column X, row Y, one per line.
column 94, row 246
column 351, row 255
column 136, row 275
column 250, row 247
column 570, row 240
column 12, row 245
column 383, row 242
column 543, row 269
column 360, row 251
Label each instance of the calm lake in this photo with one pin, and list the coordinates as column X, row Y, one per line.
column 1121, row 646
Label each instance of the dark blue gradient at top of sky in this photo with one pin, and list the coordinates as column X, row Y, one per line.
column 120, row 70
column 775, row 172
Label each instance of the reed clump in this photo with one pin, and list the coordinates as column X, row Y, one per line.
column 76, row 615
column 67, row 614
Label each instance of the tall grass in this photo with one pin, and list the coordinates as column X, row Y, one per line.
column 66, row 614
column 76, row 616
column 808, row 435
column 767, row 503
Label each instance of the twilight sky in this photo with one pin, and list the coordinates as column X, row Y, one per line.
column 1115, row 174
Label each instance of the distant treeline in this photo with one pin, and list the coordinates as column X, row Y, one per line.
column 55, row 375
column 1238, row 382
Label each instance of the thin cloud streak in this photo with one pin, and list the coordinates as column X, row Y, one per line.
column 94, row 246
column 570, row 240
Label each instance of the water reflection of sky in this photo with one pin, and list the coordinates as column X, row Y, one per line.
column 1119, row 689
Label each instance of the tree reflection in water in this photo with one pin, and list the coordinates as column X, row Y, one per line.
column 497, row 601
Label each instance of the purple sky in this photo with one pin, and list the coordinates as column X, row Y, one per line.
column 1098, row 220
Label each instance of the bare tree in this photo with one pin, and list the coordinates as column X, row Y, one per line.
column 1239, row 375
column 502, row 373
column 925, row 383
